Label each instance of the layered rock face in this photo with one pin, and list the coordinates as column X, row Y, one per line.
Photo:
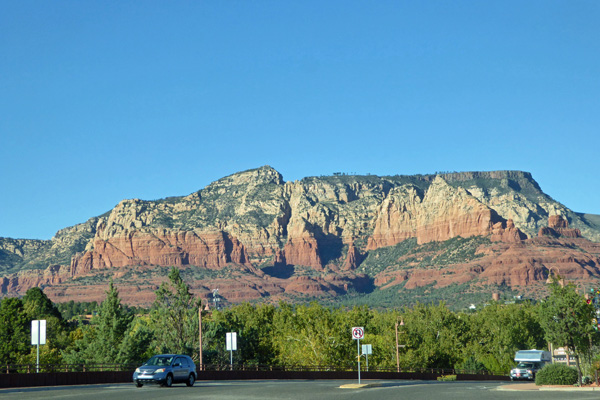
column 439, row 214
column 208, row 250
column 323, row 226
column 557, row 227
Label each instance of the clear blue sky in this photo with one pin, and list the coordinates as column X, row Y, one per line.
column 106, row 100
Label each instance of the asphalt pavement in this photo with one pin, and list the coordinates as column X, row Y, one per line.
column 304, row 389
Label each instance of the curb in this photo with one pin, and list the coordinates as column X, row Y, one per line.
column 569, row 389
column 529, row 388
column 361, row 386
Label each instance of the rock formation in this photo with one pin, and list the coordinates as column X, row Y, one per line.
column 258, row 237
column 558, row 227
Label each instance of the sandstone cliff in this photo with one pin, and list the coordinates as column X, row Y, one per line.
column 319, row 228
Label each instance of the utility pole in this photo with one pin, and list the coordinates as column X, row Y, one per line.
column 200, row 336
column 397, row 352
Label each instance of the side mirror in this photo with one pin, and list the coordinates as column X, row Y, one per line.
column 177, row 364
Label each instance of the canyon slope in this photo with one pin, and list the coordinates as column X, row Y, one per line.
column 255, row 237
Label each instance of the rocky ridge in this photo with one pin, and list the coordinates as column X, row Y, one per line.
column 255, row 236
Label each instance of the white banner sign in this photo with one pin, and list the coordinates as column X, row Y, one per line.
column 231, row 341
column 367, row 349
column 38, row 332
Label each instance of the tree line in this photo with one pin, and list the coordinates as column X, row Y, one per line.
column 432, row 336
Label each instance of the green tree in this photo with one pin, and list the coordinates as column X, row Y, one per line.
column 175, row 317
column 433, row 336
column 380, row 332
column 313, row 335
column 14, row 331
column 306, row 336
column 37, row 306
column 104, row 340
column 567, row 320
column 497, row 331
column 135, row 346
column 254, row 328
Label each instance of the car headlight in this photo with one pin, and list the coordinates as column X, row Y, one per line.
column 159, row 370
column 530, row 372
column 137, row 370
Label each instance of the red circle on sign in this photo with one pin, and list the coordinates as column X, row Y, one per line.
column 358, row 333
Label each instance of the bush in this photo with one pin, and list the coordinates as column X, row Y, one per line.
column 446, row 378
column 556, row 374
column 470, row 365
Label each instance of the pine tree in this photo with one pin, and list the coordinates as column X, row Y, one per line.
column 175, row 317
column 102, row 341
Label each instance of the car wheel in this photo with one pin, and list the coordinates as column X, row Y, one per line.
column 191, row 380
column 169, row 380
column 139, row 384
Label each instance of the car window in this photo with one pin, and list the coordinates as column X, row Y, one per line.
column 525, row 365
column 156, row 360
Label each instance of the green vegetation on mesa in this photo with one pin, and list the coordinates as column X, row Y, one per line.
column 294, row 335
column 433, row 255
column 457, row 297
column 409, row 254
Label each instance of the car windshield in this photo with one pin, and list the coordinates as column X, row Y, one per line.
column 159, row 360
column 525, row 365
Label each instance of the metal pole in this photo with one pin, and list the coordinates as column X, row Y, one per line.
column 397, row 353
column 37, row 365
column 367, row 357
column 358, row 351
column 201, row 364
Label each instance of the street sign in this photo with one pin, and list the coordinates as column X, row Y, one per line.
column 38, row 336
column 231, row 341
column 367, row 349
column 358, row 333
column 231, row 345
column 38, row 332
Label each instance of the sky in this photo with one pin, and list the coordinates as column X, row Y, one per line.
column 102, row 101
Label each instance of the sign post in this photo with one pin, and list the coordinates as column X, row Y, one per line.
column 231, row 345
column 366, row 350
column 38, row 336
column 357, row 334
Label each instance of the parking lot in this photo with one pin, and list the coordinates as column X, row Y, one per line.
column 298, row 389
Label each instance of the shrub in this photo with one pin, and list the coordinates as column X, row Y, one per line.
column 556, row 374
column 470, row 365
column 446, row 378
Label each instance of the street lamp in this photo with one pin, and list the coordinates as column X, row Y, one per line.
column 398, row 345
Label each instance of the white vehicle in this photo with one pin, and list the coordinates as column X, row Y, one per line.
column 529, row 363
